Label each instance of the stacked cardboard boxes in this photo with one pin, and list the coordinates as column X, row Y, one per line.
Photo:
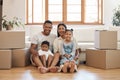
column 5, row 59
column 12, row 49
column 105, row 55
column 20, row 57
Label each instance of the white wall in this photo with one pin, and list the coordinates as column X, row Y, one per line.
column 109, row 5
column 13, row 8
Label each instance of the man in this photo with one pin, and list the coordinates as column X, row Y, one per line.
column 35, row 46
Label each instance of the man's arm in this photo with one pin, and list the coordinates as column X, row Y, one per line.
column 33, row 49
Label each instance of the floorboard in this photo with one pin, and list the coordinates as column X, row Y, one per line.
column 84, row 73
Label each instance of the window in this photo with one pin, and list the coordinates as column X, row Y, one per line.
column 55, row 10
column 67, row 11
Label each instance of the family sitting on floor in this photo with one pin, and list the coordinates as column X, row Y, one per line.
column 51, row 53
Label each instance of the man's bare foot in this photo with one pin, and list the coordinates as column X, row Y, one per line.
column 54, row 69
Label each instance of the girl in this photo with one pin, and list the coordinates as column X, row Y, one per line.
column 68, row 53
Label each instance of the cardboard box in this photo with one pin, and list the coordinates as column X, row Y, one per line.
column 20, row 57
column 105, row 39
column 5, row 59
column 104, row 59
column 12, row 39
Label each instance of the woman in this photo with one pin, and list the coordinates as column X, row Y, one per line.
column 61, row 28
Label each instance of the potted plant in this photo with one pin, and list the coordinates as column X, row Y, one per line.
column 116, row 17
column 9, row 24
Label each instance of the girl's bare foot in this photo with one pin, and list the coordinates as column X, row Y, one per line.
column 65, row 67
column 72, row 68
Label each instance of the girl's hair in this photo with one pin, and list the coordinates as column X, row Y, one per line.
column 71, row 30
column 45, row 42
column 61, row 24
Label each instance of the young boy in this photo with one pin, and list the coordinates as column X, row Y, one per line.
column 44, row 54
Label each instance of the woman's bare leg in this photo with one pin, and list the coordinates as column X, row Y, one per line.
column 55, row 59
column 53, row 68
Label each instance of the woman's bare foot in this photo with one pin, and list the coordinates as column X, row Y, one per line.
column 60, row 68
column 69, row 65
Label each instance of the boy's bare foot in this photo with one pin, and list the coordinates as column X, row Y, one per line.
column 42, row 70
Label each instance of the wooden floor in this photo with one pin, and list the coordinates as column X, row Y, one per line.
column 84, row 73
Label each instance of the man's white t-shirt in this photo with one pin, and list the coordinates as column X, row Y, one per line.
column 39, row 38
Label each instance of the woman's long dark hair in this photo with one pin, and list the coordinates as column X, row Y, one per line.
column 61, row 24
